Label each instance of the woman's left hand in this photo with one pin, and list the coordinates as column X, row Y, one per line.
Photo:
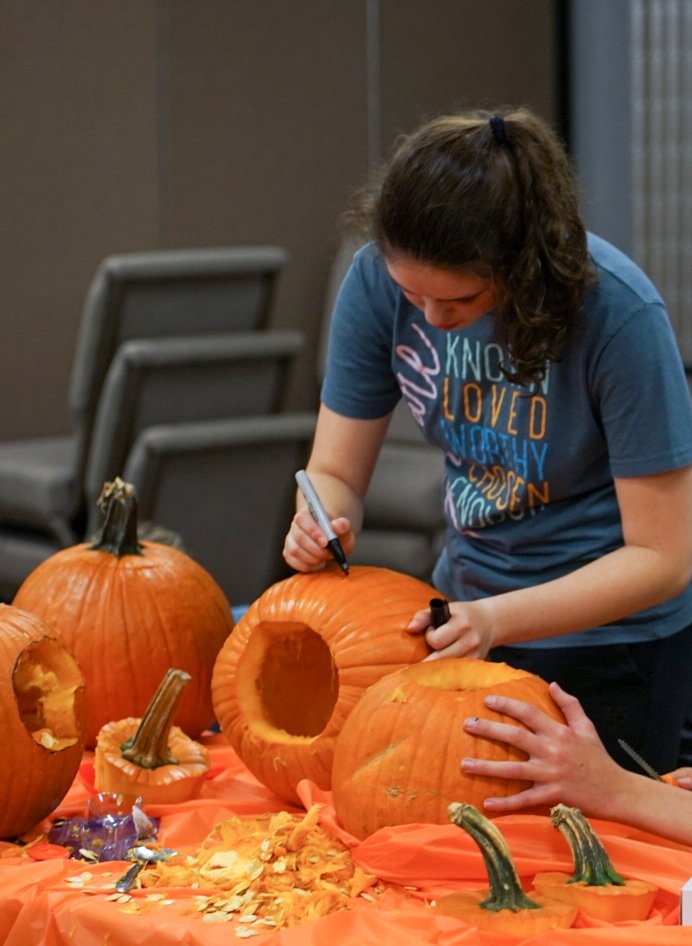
column 565, row 762
column 466, row 634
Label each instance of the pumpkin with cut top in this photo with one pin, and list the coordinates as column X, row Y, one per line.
column 396, row 760
column 150, row 758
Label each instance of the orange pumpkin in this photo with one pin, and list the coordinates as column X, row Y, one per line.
column 300, row 658
column 397, row 757
column 42, row 720
column 149, row 757
column 129, row 610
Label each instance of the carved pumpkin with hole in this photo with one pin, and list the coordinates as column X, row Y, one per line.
column 42, row 720
column 128, row 610
column 396, row 760
column 300, row 658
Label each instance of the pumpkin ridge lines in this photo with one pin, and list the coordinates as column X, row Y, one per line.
column 427, row 702
column 378, row 757
column 87, row 642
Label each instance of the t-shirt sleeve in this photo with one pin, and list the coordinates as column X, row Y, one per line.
column 359, row 381
column 643, row 397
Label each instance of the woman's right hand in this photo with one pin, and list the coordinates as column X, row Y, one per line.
column 344, row 453
column 305, row 546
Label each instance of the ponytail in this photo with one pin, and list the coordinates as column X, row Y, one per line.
column 492, row 193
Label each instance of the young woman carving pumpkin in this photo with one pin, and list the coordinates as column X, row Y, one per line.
column 541, row 361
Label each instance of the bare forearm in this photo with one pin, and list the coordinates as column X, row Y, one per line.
column 568, row 763
column 648, row 805
column 337, row 497
column 627, row 580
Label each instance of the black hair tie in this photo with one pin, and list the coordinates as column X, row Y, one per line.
column 498, row 128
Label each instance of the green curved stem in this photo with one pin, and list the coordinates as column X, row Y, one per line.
column 592, row 866
column 506, row 892
column 148, row 748
column 119, row 531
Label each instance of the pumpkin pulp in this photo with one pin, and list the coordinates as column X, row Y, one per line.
column 506, row 908
column 46, row 681
column 43, row 720
column 595, row 887
column 287, row 682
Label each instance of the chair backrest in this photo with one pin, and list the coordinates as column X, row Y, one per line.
column 166, row 293
column 227, row 489
column 175, row 380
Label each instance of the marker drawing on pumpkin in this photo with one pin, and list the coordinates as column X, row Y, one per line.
column 319, row 514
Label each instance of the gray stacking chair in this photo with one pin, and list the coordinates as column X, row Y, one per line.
column 178, row 380
column 167, row 382
column 227, row 488
column 136, row 295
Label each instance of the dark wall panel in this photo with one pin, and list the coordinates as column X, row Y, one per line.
column 440, row 56
column 78, row 180
column 170, row 123
column 267, row 135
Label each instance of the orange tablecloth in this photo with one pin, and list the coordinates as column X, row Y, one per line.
column 39, row 908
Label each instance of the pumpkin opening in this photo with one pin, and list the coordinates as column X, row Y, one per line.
column 461, row 675
column 287, row 680
column 45, row 680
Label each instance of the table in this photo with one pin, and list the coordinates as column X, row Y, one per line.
column 40, row 907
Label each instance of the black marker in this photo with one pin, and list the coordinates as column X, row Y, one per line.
column 439, row 611
column 318, row 513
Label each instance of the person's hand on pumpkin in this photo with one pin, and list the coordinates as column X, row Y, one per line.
column 466, row 634
column 567, row 763
column 305, row 546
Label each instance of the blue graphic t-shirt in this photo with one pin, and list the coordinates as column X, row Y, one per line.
column 528, row 491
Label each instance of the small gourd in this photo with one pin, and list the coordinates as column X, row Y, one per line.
column 504, row 908
column 149, row 757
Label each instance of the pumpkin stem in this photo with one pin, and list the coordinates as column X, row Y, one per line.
column 506, row 892
column 118, row 502
column 148, row 748
column 592, row 866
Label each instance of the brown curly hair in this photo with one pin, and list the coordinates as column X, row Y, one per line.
column 498, row 198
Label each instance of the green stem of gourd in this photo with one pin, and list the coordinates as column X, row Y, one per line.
column 119, row 530
column 148, row 748
column 506, row 892
column 592, row 866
